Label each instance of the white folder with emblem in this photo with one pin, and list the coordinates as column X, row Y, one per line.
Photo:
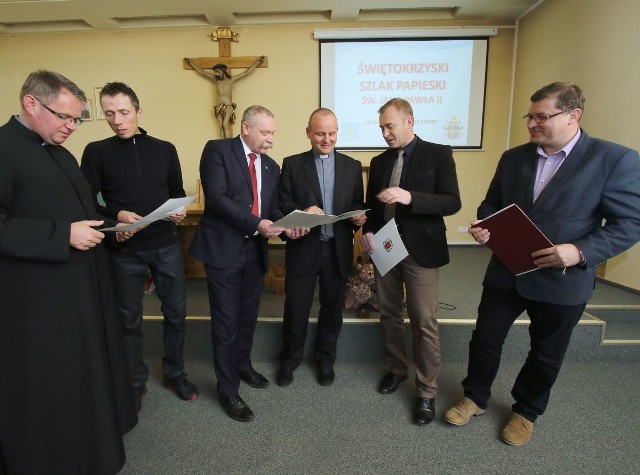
column 388, row 248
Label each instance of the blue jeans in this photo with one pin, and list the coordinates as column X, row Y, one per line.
column 129, row 273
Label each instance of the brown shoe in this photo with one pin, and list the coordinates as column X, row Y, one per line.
column 517, row 431
column 460, row 414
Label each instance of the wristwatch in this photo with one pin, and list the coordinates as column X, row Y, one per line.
column 583, row 260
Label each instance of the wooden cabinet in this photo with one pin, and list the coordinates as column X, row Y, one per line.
column 187, row 230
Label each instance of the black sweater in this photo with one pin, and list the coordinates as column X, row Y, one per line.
column 136, row 174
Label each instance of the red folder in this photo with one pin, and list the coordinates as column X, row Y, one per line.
column 514, row 237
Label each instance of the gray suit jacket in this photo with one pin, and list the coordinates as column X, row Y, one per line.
column 598, row 181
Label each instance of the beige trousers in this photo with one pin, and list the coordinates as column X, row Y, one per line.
column 421, row 286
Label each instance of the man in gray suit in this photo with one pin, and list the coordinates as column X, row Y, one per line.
column 320, row 181
column 567, row 183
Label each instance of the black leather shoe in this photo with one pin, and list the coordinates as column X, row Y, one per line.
column 254, row 379
column 284, row 377
column 390, row 383
column 236, row 408
column 326, row 376
column 425, row 411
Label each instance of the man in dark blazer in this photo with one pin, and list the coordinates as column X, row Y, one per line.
column 567, row 183
column 240, row 184
column 320, row 181
column 416, row 183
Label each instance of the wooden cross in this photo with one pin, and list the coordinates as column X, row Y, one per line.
column 224, row 36
column 224, row 110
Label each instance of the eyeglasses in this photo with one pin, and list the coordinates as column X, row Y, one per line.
column 541, row 118
column 66, row 118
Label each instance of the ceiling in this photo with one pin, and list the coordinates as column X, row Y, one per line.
column 40, row 16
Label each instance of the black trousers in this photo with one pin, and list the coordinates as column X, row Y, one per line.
column 549, row 332
column 234, row 299
column 299, row 289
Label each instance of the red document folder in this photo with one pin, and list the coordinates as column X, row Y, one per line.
column 514, row 237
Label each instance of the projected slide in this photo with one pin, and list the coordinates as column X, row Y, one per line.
column 444, row 80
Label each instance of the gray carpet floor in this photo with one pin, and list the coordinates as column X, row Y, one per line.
column 591, row 425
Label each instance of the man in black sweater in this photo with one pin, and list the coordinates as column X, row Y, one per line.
column 135, row 174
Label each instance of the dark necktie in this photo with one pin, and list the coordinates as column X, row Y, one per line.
column 255, row 209
column 396, row 173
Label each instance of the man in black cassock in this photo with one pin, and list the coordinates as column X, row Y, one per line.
column 65, row 398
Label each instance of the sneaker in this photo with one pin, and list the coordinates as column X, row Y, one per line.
column 460, row 414
column 138, row 394
column 183, row 388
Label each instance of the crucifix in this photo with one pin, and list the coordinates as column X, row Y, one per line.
column 225, row 108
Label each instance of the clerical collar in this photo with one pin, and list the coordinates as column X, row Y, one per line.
column 19, row 119
column 322, row 156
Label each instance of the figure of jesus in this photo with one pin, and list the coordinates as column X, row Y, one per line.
column 225, row 108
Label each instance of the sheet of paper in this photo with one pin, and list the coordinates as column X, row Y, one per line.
column 388, row 248
column 169, row 207
column 302, row 219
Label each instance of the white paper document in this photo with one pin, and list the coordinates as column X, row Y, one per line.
column 388, row 248
column 302, row 219
column 171, row 206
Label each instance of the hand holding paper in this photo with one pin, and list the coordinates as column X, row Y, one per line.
column 267, row 229
column 128, row 217
column 303, row 219
column 478, row 233
column 168, row 208
column 296, row 233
